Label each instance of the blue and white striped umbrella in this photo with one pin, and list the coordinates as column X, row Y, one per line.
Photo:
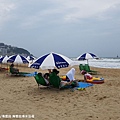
column 87, row 56
column 1, row 59
column 50, row 61
column 19, row 59
column 30, row 58
column 4, row 59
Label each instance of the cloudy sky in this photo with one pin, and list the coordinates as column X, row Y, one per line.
column 68, row 27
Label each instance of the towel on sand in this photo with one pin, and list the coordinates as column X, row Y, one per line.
column 30, row 74
column 84, row 85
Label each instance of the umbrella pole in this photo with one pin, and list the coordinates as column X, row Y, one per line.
column 8, row 67
column 87, row 62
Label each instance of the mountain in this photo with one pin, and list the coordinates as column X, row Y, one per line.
column 10, row 50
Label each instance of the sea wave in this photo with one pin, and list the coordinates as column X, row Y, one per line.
column 101, row 63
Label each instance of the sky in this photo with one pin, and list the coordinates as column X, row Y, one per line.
column 68, row 27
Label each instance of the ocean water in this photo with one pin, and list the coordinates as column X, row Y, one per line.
column 101, row 63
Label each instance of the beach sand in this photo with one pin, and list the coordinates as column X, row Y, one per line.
column 21, row 96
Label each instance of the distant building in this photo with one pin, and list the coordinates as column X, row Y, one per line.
column 3, row 51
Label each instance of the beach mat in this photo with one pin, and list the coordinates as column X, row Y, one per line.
column 83, row 85
column 30, row 74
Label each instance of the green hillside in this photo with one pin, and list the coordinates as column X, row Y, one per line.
column 10, row 50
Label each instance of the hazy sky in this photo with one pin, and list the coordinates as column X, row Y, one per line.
column 68, row 27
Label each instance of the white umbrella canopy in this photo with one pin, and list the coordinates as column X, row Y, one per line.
column 50, row 61
column 18, row 59
column 5, row 59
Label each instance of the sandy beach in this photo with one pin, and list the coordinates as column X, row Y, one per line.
column 21, row 96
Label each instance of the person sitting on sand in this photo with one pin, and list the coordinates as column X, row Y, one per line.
column 70, row 75
column 86, row 75
column 14, row 70
column 62, row 83
column 71, row 79
column 46, row 77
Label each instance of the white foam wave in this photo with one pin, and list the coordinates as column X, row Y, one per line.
column 101, row 63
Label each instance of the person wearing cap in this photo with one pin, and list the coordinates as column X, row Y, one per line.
column 63, row 83
column 86, row 75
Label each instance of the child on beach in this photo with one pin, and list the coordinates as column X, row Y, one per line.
column 86, row 75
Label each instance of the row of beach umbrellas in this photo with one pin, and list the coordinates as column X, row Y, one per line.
column 48, row 61
column 16, row 59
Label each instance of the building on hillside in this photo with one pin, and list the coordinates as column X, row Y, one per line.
column 3, row 51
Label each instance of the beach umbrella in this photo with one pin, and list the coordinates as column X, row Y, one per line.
column 50, row 61
column 87, row 56
column 19, row 59
column 1, row 59
column 4, row 59
column 30, row 58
